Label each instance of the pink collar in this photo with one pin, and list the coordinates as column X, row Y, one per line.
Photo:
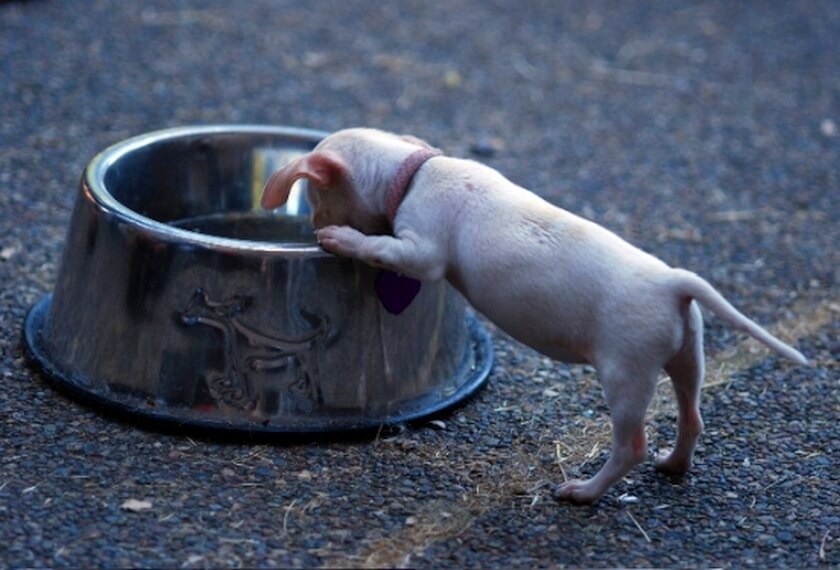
column 402, row 180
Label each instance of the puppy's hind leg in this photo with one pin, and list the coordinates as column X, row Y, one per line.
column 686, row 370
column 628, row 391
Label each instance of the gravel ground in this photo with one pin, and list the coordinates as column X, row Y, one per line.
column 707, row 132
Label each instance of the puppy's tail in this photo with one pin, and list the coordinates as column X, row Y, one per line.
column 689, row 284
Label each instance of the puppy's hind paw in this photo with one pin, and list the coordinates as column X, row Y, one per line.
column 581, row 492
column 671, row 463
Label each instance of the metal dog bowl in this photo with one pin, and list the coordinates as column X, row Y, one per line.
column 178, row 299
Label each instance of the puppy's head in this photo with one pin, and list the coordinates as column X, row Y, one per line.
column 347, row 174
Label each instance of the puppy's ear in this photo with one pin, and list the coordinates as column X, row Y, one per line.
column 322, row 168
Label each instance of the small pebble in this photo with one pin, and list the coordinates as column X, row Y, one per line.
column 627, row 499
column 486, row 148
column 136, row 506
column 453, row 79
column 8, row 252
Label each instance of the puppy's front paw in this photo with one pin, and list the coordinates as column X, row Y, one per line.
column 340, row 240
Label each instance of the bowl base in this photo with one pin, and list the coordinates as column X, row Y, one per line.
column 470, row 376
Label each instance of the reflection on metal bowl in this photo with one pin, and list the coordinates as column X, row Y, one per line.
column 179, row 300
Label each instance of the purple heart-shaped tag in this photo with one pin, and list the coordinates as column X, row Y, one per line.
column 395, row 291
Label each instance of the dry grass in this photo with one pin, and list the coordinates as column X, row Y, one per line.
column 488, row 479
column 438, row 523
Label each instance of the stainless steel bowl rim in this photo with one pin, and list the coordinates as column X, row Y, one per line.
column 94, row 181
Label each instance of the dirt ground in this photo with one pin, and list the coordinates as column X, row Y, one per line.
column 704, row 132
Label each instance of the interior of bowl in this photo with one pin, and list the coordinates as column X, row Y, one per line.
column 252, row 226
column 211, row 182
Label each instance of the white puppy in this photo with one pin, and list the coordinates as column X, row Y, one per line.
column 556, row 282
